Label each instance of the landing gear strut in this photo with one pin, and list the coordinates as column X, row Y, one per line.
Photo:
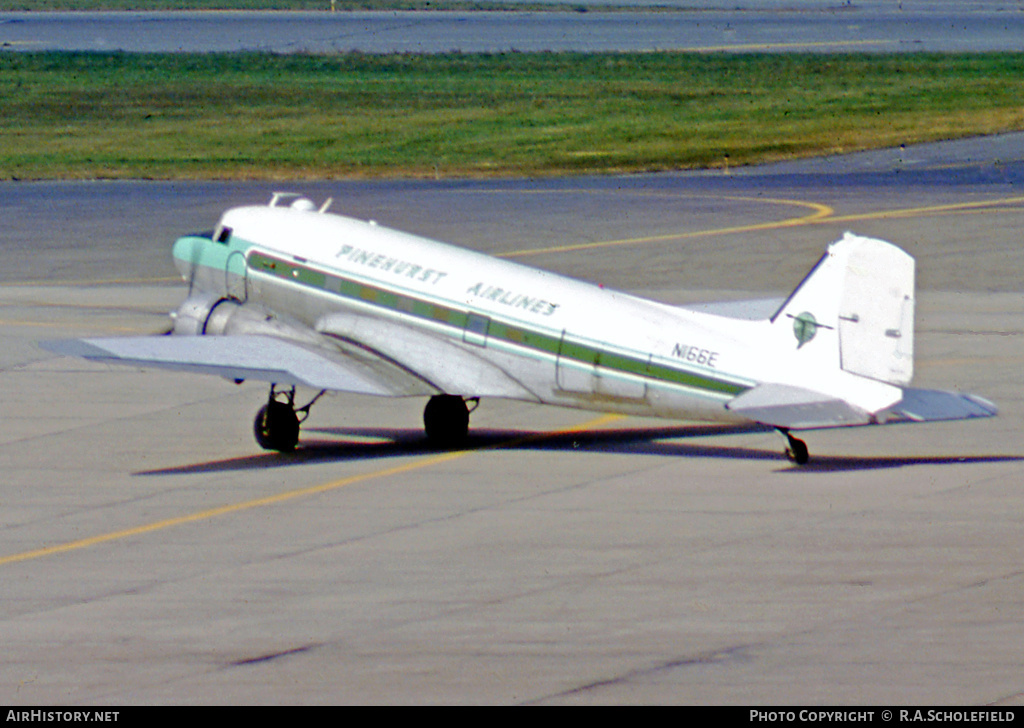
column 797, row 450
column 277, row 423
column 446, row 420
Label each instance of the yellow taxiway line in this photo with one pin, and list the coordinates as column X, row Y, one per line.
column 821, row 212
column 822, row 215
column 288, row 495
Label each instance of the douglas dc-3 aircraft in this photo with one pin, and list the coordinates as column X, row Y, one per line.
column 293, row 295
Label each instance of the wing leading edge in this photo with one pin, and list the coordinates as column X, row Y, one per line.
column 262, row 358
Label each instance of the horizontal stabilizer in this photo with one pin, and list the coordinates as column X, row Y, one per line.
column 795, row 408
column 929, row 405
column 781, row 405
column 241, row 357
column 747, row 310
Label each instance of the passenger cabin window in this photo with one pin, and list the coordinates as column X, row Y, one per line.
column 222, row 234
column 476, row 329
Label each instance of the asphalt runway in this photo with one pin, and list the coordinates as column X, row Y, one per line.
column 820, row 26
column 151, row 553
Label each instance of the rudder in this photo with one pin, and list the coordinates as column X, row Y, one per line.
column 855, row 310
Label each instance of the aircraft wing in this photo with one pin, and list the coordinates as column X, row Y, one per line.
column 796, row 408
column 263, row 358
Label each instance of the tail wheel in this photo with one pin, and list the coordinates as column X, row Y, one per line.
column 277, row 427
column 446, row 420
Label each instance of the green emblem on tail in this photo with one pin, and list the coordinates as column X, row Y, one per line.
column 805, row 326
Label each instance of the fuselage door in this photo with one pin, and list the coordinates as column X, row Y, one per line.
column 587, row 368
column 620, row 377
column 575, row 370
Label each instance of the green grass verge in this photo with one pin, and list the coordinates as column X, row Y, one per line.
column 67, row 115
column 119, row 5
column 313, row 5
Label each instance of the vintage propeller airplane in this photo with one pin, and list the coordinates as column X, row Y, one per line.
column 293, row 295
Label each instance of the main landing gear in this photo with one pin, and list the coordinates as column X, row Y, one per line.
column 277, row 423
column 446, row 420
column 797, row 450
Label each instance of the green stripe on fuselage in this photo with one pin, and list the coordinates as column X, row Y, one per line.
column 202, row 251
column 455, row 319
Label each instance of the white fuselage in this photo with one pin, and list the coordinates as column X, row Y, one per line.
column 477, row 326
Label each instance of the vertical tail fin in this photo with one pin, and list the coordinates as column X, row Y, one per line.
column 855, row 310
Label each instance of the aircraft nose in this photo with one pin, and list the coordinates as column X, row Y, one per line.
column 186, row 252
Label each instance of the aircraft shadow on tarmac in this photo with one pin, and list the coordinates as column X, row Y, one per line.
column 362, row 443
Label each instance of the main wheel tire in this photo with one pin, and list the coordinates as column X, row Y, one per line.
column 446, row 420
column 798, row 451
column 277, row 427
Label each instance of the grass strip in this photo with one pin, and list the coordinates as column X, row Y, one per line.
column 235, row 116
column 322, row 5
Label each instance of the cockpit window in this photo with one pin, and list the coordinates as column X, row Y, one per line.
column 222, row 234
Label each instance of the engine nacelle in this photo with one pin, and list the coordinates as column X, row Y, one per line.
column 191, row 316
column 210, row 315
